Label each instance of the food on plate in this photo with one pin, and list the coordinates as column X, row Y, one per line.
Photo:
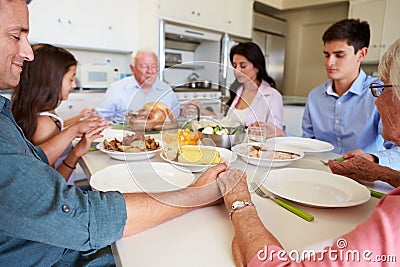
column 215, row 130
column 186, row 137
column 132, row 143
column 264, row 153
column 198, row 155
column 180, row 137
column 153, row 115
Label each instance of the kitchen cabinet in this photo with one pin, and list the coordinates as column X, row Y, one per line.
column 77, row 101
column 382, row 16
column 89, row 24
column 231, row 16
column 239, row 17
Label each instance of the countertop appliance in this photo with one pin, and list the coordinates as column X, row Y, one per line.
column 94, row 76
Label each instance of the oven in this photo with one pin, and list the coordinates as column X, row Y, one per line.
column 209, row 98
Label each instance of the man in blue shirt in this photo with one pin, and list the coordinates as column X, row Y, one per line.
column 45, row 222
column 342, row 111
column 131, row 93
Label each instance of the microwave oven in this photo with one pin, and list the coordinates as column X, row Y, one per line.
column 94, row 76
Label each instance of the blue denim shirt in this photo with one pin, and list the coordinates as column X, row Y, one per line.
column 41, row 216
column 350, row 121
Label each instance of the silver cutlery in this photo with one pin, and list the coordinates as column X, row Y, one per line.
column 304, row 215
column 325, row 162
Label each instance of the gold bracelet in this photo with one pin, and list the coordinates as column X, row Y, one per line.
column 69, row 166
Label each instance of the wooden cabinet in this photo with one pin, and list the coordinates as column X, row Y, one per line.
column 382, row 16
column 89, row 24
column 231, row 16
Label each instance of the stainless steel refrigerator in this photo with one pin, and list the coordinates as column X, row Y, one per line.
column 269, row 34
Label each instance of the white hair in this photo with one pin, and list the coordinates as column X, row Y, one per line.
column 389, row 67
column 136, row 52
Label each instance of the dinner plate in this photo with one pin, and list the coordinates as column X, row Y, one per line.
column 316, row 188
column 307, row 145
column 129, row 156
column 141, row 177
column 242, row 150
column 226, row 156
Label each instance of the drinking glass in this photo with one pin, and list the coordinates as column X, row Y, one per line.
column 258, row 134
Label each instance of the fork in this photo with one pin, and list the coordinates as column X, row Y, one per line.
column 325, row 162
column 306, row 216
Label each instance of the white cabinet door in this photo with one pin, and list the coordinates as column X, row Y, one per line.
column 391, row 25
column 372, row 11
column 239, row 17
column 382, row 16
column 206, row 13
column 89, row 24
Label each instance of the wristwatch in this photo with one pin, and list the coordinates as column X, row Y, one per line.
column 239, row 204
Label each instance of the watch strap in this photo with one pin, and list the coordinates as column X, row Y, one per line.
column 239, row 204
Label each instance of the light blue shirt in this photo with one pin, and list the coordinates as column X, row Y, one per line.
column 350, row 121
column 126, row 94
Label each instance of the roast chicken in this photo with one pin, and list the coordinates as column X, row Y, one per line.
column 153, row 116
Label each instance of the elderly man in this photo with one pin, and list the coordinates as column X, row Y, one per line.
column 131, row 93
column 44, row 222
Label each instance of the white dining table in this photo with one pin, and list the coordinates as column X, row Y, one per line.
column 203, row 237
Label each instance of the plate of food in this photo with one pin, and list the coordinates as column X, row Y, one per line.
column 307, row 145
column 316, row 188
column 197, row 158
column 131, row 147
column 141, row 177
column 263, row 155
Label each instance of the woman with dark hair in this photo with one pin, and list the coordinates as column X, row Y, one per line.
column 44, row 83
column 255, row 100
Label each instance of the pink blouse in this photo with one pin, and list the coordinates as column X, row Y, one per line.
column 375, row 242
column 267, row 106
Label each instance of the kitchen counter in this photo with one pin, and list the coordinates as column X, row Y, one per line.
column 294, row 100
column 189, row 89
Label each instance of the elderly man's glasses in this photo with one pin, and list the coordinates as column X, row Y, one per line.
column 377, row 89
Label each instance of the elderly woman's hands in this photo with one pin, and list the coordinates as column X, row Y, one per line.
column 233, row 186
column 360, row 168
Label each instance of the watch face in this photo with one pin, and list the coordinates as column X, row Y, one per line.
column 238, row 204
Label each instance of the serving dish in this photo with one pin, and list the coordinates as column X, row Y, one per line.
column 129, row 156
column 243, row 149
column 226, row 156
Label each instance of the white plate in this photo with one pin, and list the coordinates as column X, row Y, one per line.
column 141, row 177
column 307, row 145
column 226, row 156
column 129, row 156
column 262, row 162
column 316, row 188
